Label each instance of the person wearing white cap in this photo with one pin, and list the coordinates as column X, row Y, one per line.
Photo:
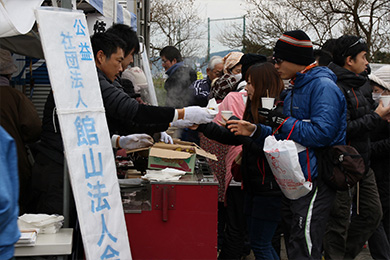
column 138, row 83
column 230, row 78
column 380, row 82
column 20, row 119
column 380, row 163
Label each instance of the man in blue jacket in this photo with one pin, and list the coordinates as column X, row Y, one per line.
column 180, row 77
column 9, row 194
column 317, row 107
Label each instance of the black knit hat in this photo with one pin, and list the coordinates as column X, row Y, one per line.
column 250, row 59
column 295, row 47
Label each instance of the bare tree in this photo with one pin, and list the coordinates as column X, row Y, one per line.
column 321, row 19
column 369, row 19
column 175, row 23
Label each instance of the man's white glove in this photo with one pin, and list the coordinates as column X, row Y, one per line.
column 197, row 115
column 166, row 138
column 133, row 141
column 181, row 123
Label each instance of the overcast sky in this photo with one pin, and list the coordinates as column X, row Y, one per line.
column 217, row 9
column 221, row 8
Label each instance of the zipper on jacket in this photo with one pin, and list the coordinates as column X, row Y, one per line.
column 261, row 171
column 291, row 103
column 357, row 100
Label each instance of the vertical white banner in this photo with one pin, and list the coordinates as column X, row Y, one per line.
column 73, row 77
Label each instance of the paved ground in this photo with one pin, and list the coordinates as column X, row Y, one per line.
column 364, row 255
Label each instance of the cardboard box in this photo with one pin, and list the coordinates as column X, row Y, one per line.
column 180, row 155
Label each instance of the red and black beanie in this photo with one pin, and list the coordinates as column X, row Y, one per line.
column 295, row 47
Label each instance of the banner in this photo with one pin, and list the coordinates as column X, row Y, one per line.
column 71, row 66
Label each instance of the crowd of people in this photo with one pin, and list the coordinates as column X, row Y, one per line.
column 332, row 98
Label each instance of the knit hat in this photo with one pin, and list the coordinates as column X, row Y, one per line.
column 137, row 77
column 381, row 77
column 231, row 60
column 250, row 59
column 7, row 65
column 295, row 47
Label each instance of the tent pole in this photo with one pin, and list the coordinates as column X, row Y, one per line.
column 115, row 11
column 66, row 4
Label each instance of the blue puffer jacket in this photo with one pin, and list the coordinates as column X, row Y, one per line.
column 9, row 195
column 320, row 108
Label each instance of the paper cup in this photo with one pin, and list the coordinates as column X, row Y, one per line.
column 226, row 113
column 385, row 100
column 267, row 102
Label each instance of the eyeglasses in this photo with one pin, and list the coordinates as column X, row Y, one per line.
column 277, row 60
column 360, row 40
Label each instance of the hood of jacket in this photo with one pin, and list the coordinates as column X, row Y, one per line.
column 347, row 77
column 317, row 72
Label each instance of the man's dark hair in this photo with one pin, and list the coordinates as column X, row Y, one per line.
column 348, row 45
column 127, row 34
column 329, row 45
column 323, row 57
column 108, row 43
column 170, row 53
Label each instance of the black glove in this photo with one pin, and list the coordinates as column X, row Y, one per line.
column 233, row 117
column 273, row 117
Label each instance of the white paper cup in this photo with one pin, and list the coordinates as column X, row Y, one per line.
column 226, row 113
column 385, row 100
column 267, row 102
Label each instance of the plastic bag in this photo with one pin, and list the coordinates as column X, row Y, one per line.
column 282, row 157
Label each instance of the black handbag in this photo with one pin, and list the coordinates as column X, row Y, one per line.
column 340, row 166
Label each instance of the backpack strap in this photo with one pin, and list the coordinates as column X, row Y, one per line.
column 308, row 165
column 288, row 137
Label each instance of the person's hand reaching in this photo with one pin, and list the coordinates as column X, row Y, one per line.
column 166, row 138
column 135, row 141
column 241, row 127
column 197, row 115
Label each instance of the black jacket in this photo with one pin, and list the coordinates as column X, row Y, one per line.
column 380, row 159
column 124, row 116
column 256, row 173
column 177, row 87
column 51, row 140
column 361, row 119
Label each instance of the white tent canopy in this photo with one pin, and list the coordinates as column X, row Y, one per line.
column 17, row 20
column 17, row 16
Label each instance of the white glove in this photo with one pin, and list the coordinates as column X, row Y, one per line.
column 197, row 115
column 135, row 141
column 166, row 138
column 181, row 123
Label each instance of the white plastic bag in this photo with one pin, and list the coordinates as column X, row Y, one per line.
column 45, row 223
column 282, row 157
